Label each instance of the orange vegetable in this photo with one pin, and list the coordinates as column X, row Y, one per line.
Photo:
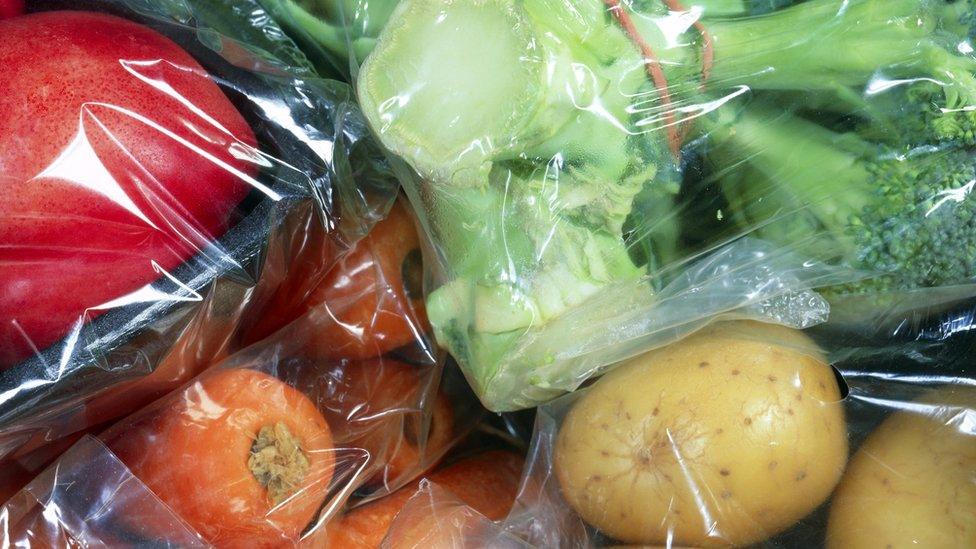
column 435, row 518
column 410, row 455
column 242, row 457
column 368, row 304
column 377, row 405
column 300, row 252
column 487, row 482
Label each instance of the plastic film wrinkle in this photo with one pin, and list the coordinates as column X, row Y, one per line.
column 676, row 129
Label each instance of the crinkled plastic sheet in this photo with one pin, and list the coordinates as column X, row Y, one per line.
column 527, row 206
column 126, row 332
column 900, row 471
column 601, row 170
column 127, row 488
column 316, row 274
column 277, row 421
column 89, row 500
column 434, row 517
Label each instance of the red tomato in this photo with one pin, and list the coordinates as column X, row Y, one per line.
column 11, row 8
column 243, row 458
column 367, row 305
column 119, row 158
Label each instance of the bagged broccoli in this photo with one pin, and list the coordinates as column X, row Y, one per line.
column 551, row 162
column 895, row 207
column 339, row 34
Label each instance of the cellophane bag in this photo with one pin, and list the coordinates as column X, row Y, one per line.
column 196, row 196
column 145, row 159
column 601, row 178
column 744, row 435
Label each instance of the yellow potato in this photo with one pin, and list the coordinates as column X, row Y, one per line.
column 727, row 437
column 913, row 481
column 646, row 547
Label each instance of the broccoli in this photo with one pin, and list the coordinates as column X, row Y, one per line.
column 895, row 207
column 539, row 126
column 726, row 8
column 346, row 30
column 342, row 31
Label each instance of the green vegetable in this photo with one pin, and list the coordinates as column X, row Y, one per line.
column 537, row 132
column 336, row 31
column 898, row 208
column 346, row 30
column 720, row 8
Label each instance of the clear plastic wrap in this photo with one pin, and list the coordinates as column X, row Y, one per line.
column 784, row 452
column 273, row 443
column 109, row 280
column 83, row 503
column 309, row 274
column 238, row 458
column 635, row 202
column 435, row 517
column 617, row 168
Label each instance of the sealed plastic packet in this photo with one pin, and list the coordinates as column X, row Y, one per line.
column 83, row 503
column 255, row 452
column 139, row 188
column 599, row 164
column 434, row 517
column 778, row 451
column 597, row 185
column 307, row 262
column 283, row 431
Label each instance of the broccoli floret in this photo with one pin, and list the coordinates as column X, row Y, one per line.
column 901, row 214
column 919, row 110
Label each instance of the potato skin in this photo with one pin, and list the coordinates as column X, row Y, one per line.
column 913, row 481
column 727, row 437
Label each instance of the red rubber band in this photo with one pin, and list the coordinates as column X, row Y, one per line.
column 708, row 45
column 677, row 131
column 708, row 55
column 653, row 68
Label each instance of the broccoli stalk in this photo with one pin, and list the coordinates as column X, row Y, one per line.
column 901, row 217
column 345, row 30
column 731, row 8
column 535, row 127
